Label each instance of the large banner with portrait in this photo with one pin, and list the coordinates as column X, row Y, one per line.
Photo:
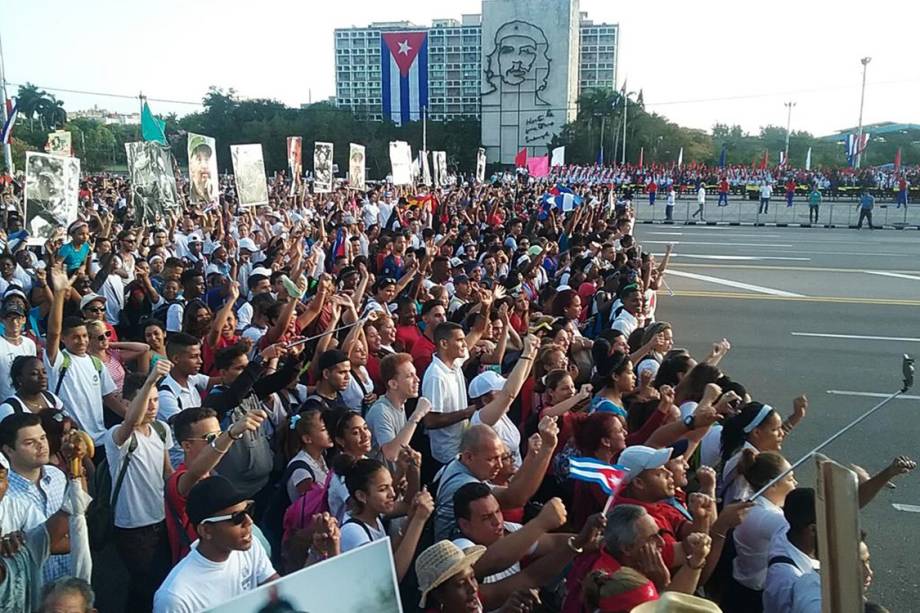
column 357, row 169
column 440, row 168
column 322, row 168
column 480, row 165
column 59, row 143
column 295, row 158
column 362, row 580
column 401, row 162
column 426, row 168
column 249, row 174
column 202, row 169
column 52, row 193
column 153, row 182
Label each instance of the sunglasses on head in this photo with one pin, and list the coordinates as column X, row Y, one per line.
column 236, row 518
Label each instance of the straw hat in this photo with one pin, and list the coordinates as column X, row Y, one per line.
column 675, row 602
column 442, row 561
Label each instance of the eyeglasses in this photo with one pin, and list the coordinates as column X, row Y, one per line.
column 208, row 437
column 104, row 335
column 236, row 519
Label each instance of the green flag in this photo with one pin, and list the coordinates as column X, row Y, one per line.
column 152, row 128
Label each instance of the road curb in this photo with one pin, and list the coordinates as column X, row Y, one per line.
column 771, row 224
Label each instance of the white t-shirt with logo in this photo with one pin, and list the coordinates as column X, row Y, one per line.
column 81, row 391
column 8, row 353
column 197, row 584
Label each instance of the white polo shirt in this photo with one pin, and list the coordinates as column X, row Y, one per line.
column 445, row 387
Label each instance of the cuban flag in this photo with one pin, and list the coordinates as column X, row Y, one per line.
column 338, row 246
column 609, row 477
column 403, row 75
column 12, row 110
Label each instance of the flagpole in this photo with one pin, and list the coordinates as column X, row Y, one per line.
column 140, row 98
column 862, row 99
column 625, row 108
column 7, row 150
column 424, row 130
column 788, row 106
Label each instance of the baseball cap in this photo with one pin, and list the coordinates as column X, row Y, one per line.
column 197, row 140
column 346, row 272
column 248, row 244
column 461, row 279
column 330, row 358
column 211, row 495
column 485, row 382
column 535, row 250
column 261, row 270
column 212, row 269
column 638, row 458
column 13, row 308
column 90, row 297
column 455, row 262
column 194, row 238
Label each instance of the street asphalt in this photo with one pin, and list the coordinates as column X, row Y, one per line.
column 827, row 313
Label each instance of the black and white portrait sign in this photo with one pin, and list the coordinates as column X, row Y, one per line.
column 322, row 167
column 249, row 174
column 153, row 182
column 52, row 193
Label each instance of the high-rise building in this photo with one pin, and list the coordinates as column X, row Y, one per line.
column 393, row 69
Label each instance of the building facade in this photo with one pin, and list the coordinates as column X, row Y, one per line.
column 377, row 69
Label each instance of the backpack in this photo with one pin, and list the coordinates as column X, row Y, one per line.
column 19, row 406
column 162, row 311
column 100, row 515
column 67, row 362
column 299, row 515
column 162, row 387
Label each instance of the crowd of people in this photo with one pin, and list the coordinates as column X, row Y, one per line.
column 231, row 394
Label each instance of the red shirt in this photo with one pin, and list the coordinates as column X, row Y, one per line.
column 175, row 507
column 407, row 335
column 723, row 186
column 586, row 563
column 422, row 350
column 669, row 519
column 587, row 499
column 790, row 186
column 208, row 352
column 373, row 370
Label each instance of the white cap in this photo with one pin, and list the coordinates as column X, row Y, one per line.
column 90, row 297
column 639, row 457
column 212, row 269
column 248, row 244
column 485, row 382
column 454, row 262
column 195, row 238
column 261, row 270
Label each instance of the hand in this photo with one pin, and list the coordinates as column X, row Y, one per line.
column 585, row 392
column 651, row 564
column 710, row 393
column 732, row 515
column 665, row 398
column 499, row 292
column 59, row 279
column 704, row 416
column 422, row 408
column 720, row 348
column 159, row 370
column 272, row 352
column 11, row 543
column 248, row 422
column 408, row 457
column 549, row 431
column 727, row 403
column 504, row 314
column 534, row 444
column 531, row 347
column 485, row 297
column 702, row 508
column 592, row 533
column 326, row 535
column 706, row 477
column 697, row 546
column 233, row 292
column 422, row 505
column 800, row 407
column 522, row 601
column 552, row 515
column 901, row 465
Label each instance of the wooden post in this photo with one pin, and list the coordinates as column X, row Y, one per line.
column 837, row 508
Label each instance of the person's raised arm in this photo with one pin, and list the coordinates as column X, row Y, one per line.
column 143, row 277
column 420, row 510
column 871, row 486
column 524, row 484
column 486, row 298
column 130, row 351
column 509, row 549
column 719, row 349
column 561, row 408
column 391, row 449
column 138, row 407
column 493, row 411
column 62, row 284
column 220, row 319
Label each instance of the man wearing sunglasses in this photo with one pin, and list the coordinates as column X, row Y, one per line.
column 93, row 308
column 225, row 562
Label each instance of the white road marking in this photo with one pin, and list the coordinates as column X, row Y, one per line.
column 705, row 234
column 896, row 275
column 870, row 394
column 858, row 337
column 778, row 245
column 728, row 282
column 746, row 258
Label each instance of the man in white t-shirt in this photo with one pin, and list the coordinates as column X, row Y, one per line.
column 137, row 448
column 12, row 343
column 82, row 381
column 445, row 386
column 184, row 386
column 224, row 562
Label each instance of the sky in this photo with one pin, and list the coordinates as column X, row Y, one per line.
column 697, row 63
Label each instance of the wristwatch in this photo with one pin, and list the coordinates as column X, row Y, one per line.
column 689, row 422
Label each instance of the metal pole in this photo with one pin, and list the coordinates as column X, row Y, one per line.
column 789, row 106
column 862, row 99
column 424, row 128
column 603, row 159
column 625, row 107
column 907, row 368
column 7, row 150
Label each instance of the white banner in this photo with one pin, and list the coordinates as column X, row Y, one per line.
column 481, row 165
column 401, row 162
column 440, row 168
column 356, row 167
column 249, row 174
column 322, row 168
column 558, row 157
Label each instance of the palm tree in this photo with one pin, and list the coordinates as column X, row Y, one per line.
column 52, row 111
column 30, row 101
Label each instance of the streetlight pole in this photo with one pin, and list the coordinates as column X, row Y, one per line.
column 789, row 106
column 425, row 129
column 862, row 100
column 625, row 107
column 7, row 151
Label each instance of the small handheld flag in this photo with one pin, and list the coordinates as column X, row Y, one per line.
column 7, row 132
column 609, row 477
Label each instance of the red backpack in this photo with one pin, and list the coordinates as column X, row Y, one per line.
column 299, row 516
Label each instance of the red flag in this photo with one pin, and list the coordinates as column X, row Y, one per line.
column 763, row 161
column 520, row 160
column 897, row 161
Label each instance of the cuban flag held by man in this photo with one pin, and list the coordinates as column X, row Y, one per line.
column 403, row 75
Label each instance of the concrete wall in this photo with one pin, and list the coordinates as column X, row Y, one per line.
column 530, row 74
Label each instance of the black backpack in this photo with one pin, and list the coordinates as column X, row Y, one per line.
column 272, row 521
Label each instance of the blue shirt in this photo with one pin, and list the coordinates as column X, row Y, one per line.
column 73, row 258
column 866, row 202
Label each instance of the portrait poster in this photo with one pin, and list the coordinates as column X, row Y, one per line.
column 356, row 167
column 329, row 586
column 249, row 174
column 426, row 169
column 440, row 168
column 322, row 168
column 401, row 162
column 52, row 193
column 153, row 181
column 202, row 169
column 295, row 158
column 481, row 165
column 59, row 143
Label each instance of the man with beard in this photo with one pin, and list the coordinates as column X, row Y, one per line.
column 201, row 186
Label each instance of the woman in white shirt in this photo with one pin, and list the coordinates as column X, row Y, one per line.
column 753, row 535
column 373, row 496
column 30, row 382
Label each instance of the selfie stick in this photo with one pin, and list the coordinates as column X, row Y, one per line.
column 361, row 320
column 907, row 370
